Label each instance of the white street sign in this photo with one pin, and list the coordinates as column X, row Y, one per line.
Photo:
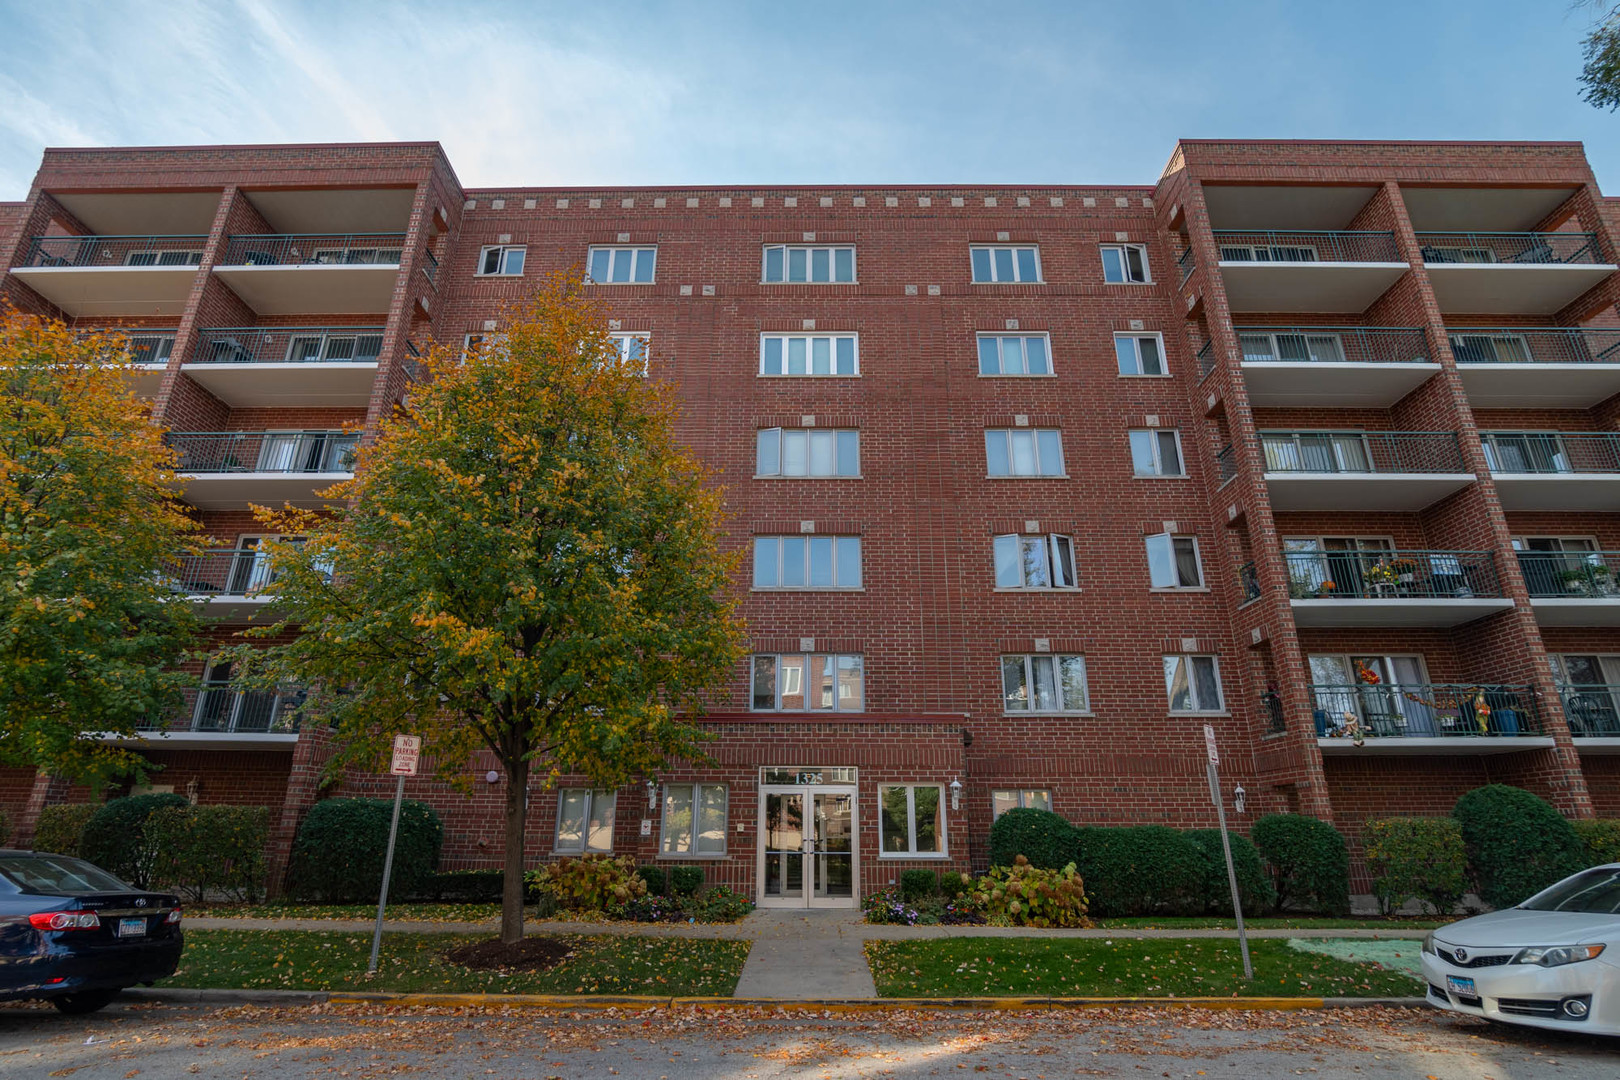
column 1209, row 745
column 407, row 751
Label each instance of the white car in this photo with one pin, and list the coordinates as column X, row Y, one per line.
column 1551, row 962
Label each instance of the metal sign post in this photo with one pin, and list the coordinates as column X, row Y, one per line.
column 1226, row 845
column 407, row 750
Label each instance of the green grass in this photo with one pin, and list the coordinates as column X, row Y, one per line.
column 322, row 960
column 1087, row 967
column 1266, row 922
column 400, row 912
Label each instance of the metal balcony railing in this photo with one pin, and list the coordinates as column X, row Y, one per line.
column 1206, row 359
column 1274, row 246
column 1424, row 711
column 1249, row 577
column 1520, row 345
column 1272, row 707
column 1187, row 263
column 1333, row 344
column 1592, row 711
column 1551, row 452
column 144, row 346
column 1226, row 462
column 225, row 572
column 1571, row 575
column 209, row 452
column 1392, row 575
column 1361, row 451
column 288, row 345
column 1440, row 248
column 314, row 249
column 103, row 251
column 430, row 267
column 223, row 709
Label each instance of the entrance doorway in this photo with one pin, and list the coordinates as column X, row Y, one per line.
column 807, row 829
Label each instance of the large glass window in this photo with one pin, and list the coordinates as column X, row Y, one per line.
column 584, row 820
column 809, row 682
column 911, row 820
column 1156, row 452
column 808, row 263
column 694, row 820
column 1193, row 683
column 1140, row 354
column 1034, row 562
column 622, row 265
column 1029, row 799
column 1125, row 264
column 1043, row 684
column 633, row 349
column 809, row 354
column 808, row 452
column 994, row 263
column 1014, row 354
column 807, row 562
column 1023, row 451
column 1173, row 562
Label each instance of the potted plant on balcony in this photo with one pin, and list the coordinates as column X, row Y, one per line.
column 1390, row 575
column 1326, row 589
column 1587, row 580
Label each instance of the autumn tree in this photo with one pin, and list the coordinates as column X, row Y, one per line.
column 91, row 628
column 525, row 562
column 1600, row 53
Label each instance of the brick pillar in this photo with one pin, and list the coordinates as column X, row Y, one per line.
column 303, row 785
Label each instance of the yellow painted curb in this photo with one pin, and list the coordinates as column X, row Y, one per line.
column 979, row 1004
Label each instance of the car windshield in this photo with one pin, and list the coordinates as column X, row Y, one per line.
column 57, row 875
column 1593, row 892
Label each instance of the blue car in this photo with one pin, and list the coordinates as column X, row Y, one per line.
column 74, row 935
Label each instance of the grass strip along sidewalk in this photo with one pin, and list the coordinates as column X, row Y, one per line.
column 1124, row 967
column 322, row 960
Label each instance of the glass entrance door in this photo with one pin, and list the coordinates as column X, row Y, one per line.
column 807, row 847
column 834, row 876
column 782, row 844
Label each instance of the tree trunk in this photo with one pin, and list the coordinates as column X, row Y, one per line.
column 517, row 789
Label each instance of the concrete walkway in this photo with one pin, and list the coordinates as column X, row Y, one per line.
column 802, row 955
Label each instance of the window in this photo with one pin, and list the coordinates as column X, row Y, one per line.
column 1193, row 683
column 584, row 820
column 694, row 820
column 1156, row 452
column 1001, row 354
column 809, row 682
column 622, row 265
column 1024, row 451
column 1140, row 354
column 504, row 261
column 808, row 452
column 807, row 562
column 355, row 256
column 633, row 349
column 149, row 348
column 1173, row 562
column 1266, row 348
column 330, row 348
column 793, row 262
column 1034, row 562
column 1268, row 253
column 795, row 354
column 1004, row 264
column 1525, row 452
column 1490, row 348
column 1003, row 801
column 163, row 258
column 307, row 451
column 488, row 342
column 1556, row 566
column 911, row 820
column 1125, row 264
column 1043, row 684
column 1397, row 699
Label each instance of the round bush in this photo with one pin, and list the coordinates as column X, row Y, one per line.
column 1254, row 884
column 1309, row 862
column 1416, row 859
column 60, row 828
column 115, row 836
column 1040, row 836
column 1517, row 843
column 1146, row 870
column 1601, row 837
column 338, row 854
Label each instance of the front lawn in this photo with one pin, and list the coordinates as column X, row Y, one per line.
column 1124, row 967
column 439, row 913
column 1267, row 922
column 322, row 960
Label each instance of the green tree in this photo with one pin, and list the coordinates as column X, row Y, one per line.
column 1600, row 53
column 525, row 562
column 91, row 630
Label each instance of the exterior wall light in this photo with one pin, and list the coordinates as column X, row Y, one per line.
column 652, row 794
column 956, row 794
column 1237, row 798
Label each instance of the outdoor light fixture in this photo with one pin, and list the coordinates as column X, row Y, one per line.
column 652, row 795
column 492, row 776
column 1237, row 798
column 956, row 794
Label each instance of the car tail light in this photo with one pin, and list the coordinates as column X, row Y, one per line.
column 173, row 917
column 65, row 920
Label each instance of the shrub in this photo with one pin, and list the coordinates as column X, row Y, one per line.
column 115, row 836
column 59, row 827
column 886, row 908
column 1601, row 837
column 590, row 883
column 1517, row 843
column 719, row 904
column 5, row 828
column 685, row 880
column 1040, row 836
column 916, row 885
column 203, row 850
column 1026, row 895
column 1416, row 859
column 458, row 887
column 1310, row 865
column 1144, row 870
column 338, row 854
column 656, row 878
column 1254, row 884
column 953, row 883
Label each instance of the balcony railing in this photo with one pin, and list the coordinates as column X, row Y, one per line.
column 1361, row 452
column 1424, row 711
column 1333, row 344
column 264, row 451
column 1226, row 462
column 1571, row 575
column 1551, row 452
column 100, row 252
column 1250, row 579
column 1271, row 246
column 226, row 572
column 1272, row 707
column 315, row 249
column 1187, row 263
column 1392, row 575
column 222, row 709
column 288, row 345
column 145, row 346
column 1592, row 711
column 1206, row 359
column 1440, row 248
column 430, row 267
column 1514, row 345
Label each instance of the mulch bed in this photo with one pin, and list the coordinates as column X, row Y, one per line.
column 537, row 953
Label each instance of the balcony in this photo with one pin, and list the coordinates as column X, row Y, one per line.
column 313, row 273
column 148, row 357
column 222, row 470
column 1573, row 588
column 218, row 714
column 1307, row 271
column 1340, row 367
column 1593, row 714
column 291, row 366
column 1361, row 470
column 1551, row 368
column 1393, row 588
column 225, row 584
column 1552, row 470
column 95, row 276
column 1519, row 273
column 1428, row 718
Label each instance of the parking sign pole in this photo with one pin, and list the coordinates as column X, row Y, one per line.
column 1226, row 846
column 406, row 749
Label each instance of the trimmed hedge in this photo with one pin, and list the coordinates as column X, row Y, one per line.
column 5, row 828
column 115, row 836
column 1042, row 837
column 455, row 886
column 953, row 883
column 917, row 885
column 59, row 827
column 338, row 855
column 657, row 879
column 203, row 850
column 1416, row 859
column 1517, row 843
column 1601, row 837
column 1310, row 865
column 1254, row 884
column 685, row 880
column 1145, row 870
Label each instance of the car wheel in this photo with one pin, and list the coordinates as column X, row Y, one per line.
column 85, row 1001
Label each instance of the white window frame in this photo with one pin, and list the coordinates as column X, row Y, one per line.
column 490, row 338
column 1312, row 340
column 1156, row 453
column 592, row 796
column 780, row 687
column 694, row 792
column 1169, row 542
column 1135, row 337
column 1199, row 708
column 809, row 338
column 1009, row 437
column 1028, row 662
column 994, row 278
column 623, row 339
column 1053, row 546
column 787, row 251
column 784, row 541
column 323, row 341
column 1019, row 797
column 1001, row 338
column 161, row 346
column 782, row 437
column 1494, row 343
column 1124, row 251
column 635, row 252
column 910, row 851
column 1268, row 253
column 503, row 260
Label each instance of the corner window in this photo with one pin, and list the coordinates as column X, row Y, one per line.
column 1156, row 452
column 1003, row 801
column 505, row 261
column 622, row 265
column 809, row 682
column 1039, row 683
column 1125, row 264
column 633, row 349
column 1193, row 683
column 694, row 820
column 807, row 562
column 584, row 820
column 807, row 452
column 1013, row 354
column 808, row 263
column 911, row 820
column 1006, row 264
column 1173, row 562
column 809, row 354
column 1024, row 451
column 1140, row 354
column 1034, row 562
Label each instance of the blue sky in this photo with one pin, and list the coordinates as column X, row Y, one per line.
column 771, row 91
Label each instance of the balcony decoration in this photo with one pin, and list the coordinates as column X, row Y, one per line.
column 1587, row 580
column 1392, row 572
column 1367, row 675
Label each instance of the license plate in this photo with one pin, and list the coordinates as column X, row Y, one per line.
column 132, row 927
column 1465, row 987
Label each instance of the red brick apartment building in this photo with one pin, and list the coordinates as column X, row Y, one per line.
column 1037, row 481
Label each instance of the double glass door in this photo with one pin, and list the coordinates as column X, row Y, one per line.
column 807, row 847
